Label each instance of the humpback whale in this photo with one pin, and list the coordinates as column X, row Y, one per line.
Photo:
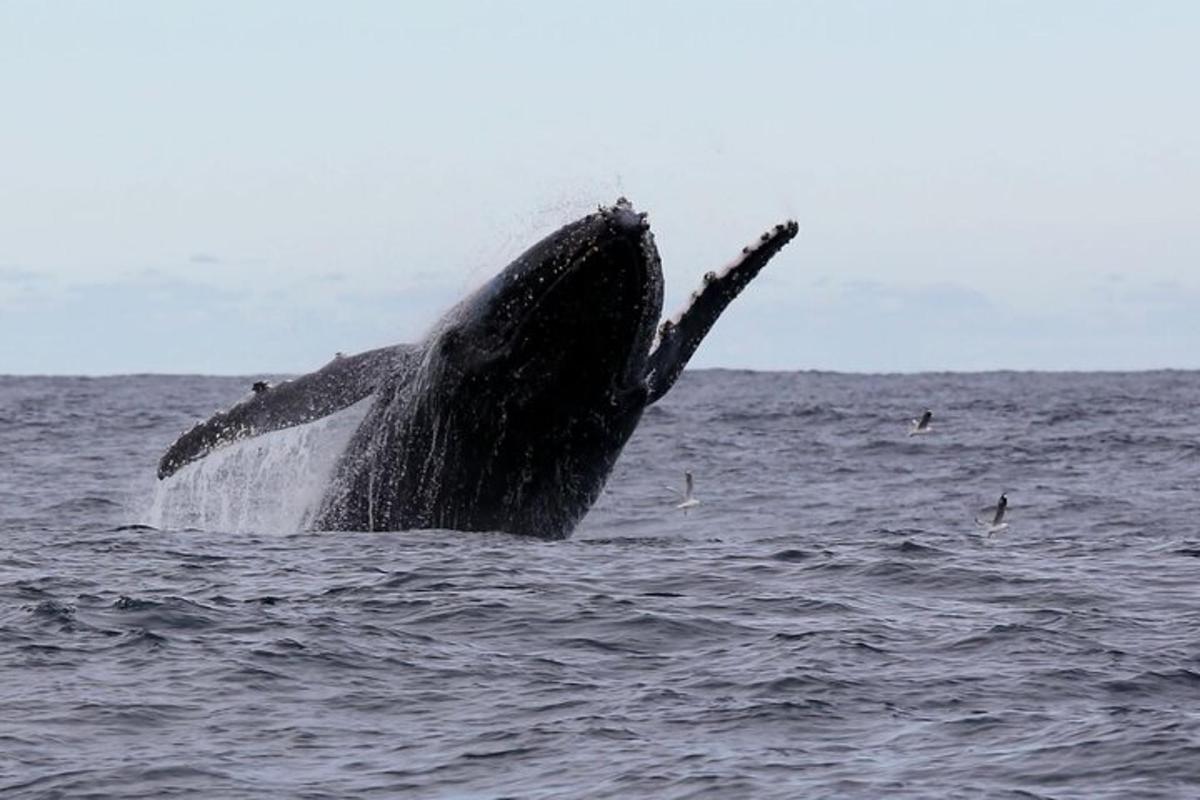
column 510, row 414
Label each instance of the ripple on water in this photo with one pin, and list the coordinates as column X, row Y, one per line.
column 829, row 623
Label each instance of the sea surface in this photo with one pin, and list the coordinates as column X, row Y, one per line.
column 830, row 622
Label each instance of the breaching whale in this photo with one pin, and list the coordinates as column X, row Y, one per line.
column 510, row 414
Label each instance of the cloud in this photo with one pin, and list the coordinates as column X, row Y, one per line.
column 17, row 275
column 872, row 298
column 203, row 258
column 878, row 327
column 154, row 322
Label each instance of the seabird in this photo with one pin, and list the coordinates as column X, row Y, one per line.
column 921, row 425
column 997, row 524
column 687, row 499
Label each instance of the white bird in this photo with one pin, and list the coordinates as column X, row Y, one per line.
column 997, row 524
column 687, row 499
column 921, row 426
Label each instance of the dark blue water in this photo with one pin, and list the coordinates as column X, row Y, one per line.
column 830, row 622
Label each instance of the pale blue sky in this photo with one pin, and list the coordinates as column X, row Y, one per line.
column 232, row 187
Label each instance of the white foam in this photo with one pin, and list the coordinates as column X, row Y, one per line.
column 269, row 484
column 992, row 528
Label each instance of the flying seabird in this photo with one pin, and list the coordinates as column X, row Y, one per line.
column 997, row 524
column 687, row 499
column 921, row 425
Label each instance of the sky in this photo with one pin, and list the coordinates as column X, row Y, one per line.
column 245, row 188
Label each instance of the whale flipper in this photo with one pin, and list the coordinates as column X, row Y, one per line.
column 339, row 384
column 678, row 338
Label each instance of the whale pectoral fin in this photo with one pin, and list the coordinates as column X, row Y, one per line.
column 339, row 384
column 679, row 338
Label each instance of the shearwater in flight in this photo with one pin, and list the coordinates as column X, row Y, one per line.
column 921, row 426
column 997, row 524
column 687, row 497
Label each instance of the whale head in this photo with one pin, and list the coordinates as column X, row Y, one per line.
column 575, row 314
column 530, row 387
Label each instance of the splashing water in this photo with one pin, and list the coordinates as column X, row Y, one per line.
column 270, row 483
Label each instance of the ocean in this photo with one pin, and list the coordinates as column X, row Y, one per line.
column 829, row 622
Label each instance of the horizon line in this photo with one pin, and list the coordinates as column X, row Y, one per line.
column 814, row 371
